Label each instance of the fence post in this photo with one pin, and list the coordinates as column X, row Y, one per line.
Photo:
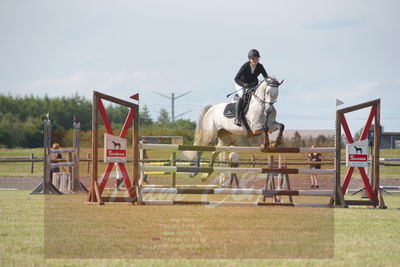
column 141, row 163
column 31, row 157
column 88, row 162
column 173, row 174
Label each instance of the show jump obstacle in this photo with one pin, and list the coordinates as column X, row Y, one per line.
column 66, row 182
column 135, row 190
column 96, row 189
column 371, row 185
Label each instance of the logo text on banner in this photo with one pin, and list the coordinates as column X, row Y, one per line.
column 357, row 154
column 114, row 148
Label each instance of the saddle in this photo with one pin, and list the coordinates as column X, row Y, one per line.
column 230, row 109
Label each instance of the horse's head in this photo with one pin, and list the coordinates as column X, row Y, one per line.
column 271, row 91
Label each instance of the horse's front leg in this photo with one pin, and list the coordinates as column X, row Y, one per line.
column 278, row 141
column 197, row 164
column 214, row 156
column 265, row 145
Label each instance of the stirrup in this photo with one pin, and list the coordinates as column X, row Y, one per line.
column 237, row 122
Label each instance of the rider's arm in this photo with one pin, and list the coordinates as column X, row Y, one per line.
column 237, row 77
column 263, row 71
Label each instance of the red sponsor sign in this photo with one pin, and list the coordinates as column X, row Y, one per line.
column 358, row 157
column 116, row 153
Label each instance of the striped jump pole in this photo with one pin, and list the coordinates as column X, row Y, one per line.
column 389, row 159
column 225, row 203
column 237, row 149
column 234, row 170
column 235, row 191
column 180, row 186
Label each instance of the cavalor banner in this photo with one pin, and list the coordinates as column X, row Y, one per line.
column 114, row 148
column 357, row 154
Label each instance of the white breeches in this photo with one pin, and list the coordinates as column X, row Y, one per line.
column 117, row 172
column 239, row 90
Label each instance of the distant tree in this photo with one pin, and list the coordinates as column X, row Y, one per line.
column 343, row 141
column 321, row 140
column 145, row 118
column 11, row 131
column 33, row 133
column 183, row 124
column 296, row 139
column 310, row 141
column 303, row 143
column 117, row 114
column 357, row 135
column 163, row 116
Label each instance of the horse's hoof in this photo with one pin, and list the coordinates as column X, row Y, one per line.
column 264, row 147
column 278, row 142
column 204, row 177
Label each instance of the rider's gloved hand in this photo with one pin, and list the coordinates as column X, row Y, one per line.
column 253, row 84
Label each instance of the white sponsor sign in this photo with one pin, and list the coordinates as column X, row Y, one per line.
column 114, row 148
column 357, row 154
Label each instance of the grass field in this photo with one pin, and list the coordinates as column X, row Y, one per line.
column 62, row 231
column 34, row 229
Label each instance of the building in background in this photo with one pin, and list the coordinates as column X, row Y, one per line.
column 389, row 140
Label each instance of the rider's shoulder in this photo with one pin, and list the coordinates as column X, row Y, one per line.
column 246, row 64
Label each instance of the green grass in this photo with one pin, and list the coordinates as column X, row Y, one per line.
column 68, row 228
column 20, row 168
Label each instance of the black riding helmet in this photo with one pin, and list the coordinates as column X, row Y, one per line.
column 254, row 53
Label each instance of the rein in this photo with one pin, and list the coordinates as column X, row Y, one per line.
column 262, row 101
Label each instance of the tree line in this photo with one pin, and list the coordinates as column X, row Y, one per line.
column 21, row 120
column 21, row 123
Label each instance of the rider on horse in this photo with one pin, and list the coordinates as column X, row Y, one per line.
column 247, row 78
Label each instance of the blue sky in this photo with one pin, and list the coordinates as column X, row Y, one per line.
column 323, row 49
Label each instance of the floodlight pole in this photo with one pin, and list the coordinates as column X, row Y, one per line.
column 172, row 98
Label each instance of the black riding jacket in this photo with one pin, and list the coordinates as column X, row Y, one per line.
column 245, row 78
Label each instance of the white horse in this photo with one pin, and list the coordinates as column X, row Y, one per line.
column 213, row 128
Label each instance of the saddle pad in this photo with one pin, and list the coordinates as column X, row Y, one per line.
column 230, row 109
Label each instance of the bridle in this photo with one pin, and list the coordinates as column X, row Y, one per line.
column 262, row 101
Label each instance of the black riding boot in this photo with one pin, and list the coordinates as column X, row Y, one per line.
column 239, row 105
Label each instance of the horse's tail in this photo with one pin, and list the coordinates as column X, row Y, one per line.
column 199, row 133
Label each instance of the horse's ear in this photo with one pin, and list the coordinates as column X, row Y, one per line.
column 281, row 81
